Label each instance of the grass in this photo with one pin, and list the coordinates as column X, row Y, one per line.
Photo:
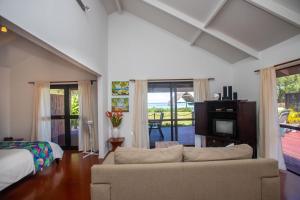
column 167, row 116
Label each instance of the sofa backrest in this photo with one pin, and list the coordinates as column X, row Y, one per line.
column 246, row 179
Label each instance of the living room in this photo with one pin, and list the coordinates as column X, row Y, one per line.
column 165, row 56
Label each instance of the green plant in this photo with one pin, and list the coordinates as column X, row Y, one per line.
column 74, row 104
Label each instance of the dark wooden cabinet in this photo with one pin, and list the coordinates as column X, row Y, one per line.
column 241, row 114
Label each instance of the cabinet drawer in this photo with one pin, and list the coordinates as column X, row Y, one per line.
column 214, row 142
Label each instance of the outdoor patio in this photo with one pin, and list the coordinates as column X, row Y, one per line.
column 186, row 135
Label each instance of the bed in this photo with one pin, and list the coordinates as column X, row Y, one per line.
column 20, row 159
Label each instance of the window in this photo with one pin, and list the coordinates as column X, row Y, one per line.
column 288, row 90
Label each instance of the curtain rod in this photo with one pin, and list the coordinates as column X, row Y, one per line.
column 32, row 82
column 284, row 63
column 185, row 79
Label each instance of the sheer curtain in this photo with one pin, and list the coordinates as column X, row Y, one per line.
column 201, row 93
column 269, row 140
column 140, row 115
column 41, row 124
column 86, row 113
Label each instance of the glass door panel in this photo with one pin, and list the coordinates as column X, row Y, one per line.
column 159, row 112
column 64, row 115
column 170, row 112
column 57, row 102
column 185, row 113
column 58, row 131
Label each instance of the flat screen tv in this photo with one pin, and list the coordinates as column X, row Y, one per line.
column 224, row 127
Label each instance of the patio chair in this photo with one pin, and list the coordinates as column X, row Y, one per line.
column 156, row 124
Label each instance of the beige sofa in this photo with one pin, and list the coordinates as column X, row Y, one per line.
column 246, row 179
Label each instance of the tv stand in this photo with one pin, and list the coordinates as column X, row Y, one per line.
column 242, row 114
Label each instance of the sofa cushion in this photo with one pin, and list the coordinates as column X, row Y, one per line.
column 171, row 154
column 191, row 154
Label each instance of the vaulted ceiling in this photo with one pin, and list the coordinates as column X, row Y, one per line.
column 230, row 29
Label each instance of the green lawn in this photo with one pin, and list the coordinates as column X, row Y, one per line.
column 167, row 115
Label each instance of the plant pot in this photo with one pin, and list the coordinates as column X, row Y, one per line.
column 115, row 132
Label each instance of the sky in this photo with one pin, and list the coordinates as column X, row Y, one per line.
column 160, row 97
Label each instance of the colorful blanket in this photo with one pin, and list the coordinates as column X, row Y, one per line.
column 41, row 152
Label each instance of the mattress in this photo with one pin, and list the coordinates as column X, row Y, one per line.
column 16, row 164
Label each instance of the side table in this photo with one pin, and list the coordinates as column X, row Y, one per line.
column 116, row 142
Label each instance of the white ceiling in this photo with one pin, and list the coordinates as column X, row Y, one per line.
column 230, row 29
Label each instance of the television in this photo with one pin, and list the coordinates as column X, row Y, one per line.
column 224, row 127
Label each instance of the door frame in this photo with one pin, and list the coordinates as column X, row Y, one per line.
column 173, row 106
column 67, row 116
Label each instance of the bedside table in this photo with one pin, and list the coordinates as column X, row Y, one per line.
column 116, row 142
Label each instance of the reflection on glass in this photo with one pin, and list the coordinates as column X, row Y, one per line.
column 186, row 133
column 74, row 131
column 58, row 131
column 57, row 102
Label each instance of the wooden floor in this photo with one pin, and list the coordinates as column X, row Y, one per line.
column 71, row 178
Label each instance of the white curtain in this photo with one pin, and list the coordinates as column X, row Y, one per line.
column 41, row 125
column 140, row 115
column 201, row 93
column 86, row 113
column 269, row 140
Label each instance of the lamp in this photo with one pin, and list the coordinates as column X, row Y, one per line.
column 3, row 29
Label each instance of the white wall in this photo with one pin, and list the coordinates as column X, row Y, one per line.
column 247, row 82
column 40, row 65
column 4, row 102
column 140, row 50
column 64, row 26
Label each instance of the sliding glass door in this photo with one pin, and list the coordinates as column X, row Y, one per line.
column 288, row 88
column 170, row 112
column 64, row 115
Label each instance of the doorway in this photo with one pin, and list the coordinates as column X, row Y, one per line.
column 171, row 112
column 65, row 115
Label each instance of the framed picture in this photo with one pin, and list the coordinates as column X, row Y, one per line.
column 120, row 104
column 120, row 88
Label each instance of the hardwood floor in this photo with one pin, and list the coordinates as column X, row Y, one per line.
column 71, row 178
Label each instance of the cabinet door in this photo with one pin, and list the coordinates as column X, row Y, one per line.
column 201, row 125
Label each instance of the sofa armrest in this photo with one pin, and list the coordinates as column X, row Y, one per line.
column 100, row 191
column 270, row 188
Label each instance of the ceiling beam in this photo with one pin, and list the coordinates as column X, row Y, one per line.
column 119, row 6
column 200, row 25
column 195, row 37
column 277, row 10
column 214, row 13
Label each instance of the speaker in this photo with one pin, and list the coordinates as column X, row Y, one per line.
column 230, row 92
column 235, row 96
column 224, row 92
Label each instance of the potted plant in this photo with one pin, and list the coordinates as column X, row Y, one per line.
column 116, row 120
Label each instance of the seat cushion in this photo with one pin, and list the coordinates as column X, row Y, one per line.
column 242, row 151
column 171, row 154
